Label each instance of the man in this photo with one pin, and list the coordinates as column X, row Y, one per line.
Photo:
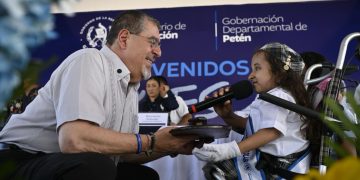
column 87, row 112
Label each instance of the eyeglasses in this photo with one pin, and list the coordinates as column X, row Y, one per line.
column 154, row 42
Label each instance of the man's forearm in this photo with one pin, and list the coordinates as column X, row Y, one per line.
column 83, row 136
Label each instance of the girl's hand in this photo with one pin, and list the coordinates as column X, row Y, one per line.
column 225, row 109
column 217, row 152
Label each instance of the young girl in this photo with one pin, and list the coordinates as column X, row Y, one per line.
column 274, row 137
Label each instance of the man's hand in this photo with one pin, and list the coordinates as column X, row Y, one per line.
column 167, row 143
column 164, row 89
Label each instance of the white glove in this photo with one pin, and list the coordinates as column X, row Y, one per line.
column 217, row 152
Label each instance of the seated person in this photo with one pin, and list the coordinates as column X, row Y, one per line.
column 274, row 137
column 82, row 124
column 180, row 115
column 316, row 92
column 156, row 100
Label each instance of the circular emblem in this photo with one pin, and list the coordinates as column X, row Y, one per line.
column 93, row 33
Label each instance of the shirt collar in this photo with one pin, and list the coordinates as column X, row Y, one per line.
column 273, row 90
column 121, row 71
column 278, row 88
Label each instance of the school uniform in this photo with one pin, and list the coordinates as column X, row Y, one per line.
column 290, row 147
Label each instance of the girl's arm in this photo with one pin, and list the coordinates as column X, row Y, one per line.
column 260, row 138
column 237, row 122
column 219, row 152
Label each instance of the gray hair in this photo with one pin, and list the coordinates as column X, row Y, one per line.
column 131, row 20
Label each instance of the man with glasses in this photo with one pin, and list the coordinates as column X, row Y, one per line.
column 83, row 123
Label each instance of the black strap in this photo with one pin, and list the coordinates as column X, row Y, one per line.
column 284, row 173
column 273, row 168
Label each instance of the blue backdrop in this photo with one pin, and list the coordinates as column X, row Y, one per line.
column 205, row 48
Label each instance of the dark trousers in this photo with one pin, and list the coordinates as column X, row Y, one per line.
column 20, row 165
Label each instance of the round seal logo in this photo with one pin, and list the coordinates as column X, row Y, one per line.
column 93, row 33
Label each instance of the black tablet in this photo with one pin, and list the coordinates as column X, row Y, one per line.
column 208, row 131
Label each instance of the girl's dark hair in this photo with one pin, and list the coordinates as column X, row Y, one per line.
column 292, row 82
